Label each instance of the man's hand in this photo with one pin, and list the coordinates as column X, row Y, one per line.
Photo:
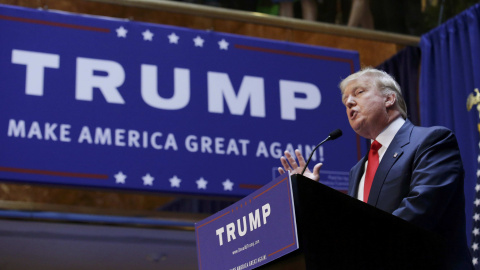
column 290, row 164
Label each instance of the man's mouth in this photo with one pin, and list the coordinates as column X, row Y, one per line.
column 353, row 114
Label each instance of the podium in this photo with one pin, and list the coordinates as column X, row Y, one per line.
column 336, row 231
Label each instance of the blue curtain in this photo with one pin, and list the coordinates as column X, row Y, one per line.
column 450, row 71
column 405, row 68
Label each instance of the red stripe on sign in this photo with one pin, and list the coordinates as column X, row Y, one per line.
column 281, row 249
column 297, row 54
column 250, row 186
column 56, row 24
column 226, row 213
column 270, row 188
column 54, row 173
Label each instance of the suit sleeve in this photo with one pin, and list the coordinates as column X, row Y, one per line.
column 436, row 180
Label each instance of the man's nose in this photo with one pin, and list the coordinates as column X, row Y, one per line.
column 350, row 101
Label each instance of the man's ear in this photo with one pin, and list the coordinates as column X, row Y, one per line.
column 390, row 99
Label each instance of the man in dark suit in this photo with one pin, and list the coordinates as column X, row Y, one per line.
column 415, row 173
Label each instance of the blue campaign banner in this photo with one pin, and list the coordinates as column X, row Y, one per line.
column 110, row 103
column 252, row 232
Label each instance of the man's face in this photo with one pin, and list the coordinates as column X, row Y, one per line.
column 366, row 107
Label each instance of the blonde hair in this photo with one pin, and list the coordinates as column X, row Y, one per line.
column 384, row 82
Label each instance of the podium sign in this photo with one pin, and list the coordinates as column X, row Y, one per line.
column 252, row 232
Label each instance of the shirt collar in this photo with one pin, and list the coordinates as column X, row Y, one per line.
column 387, row 135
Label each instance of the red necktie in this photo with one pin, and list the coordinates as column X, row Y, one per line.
column 371, row 168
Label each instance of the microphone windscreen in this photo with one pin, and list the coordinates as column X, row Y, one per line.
column 335, row 134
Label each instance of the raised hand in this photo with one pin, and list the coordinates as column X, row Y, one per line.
column 290, row 164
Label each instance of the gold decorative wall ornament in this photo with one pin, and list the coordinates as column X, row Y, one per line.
column 472, row 100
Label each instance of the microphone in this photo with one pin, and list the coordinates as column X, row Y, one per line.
column 332, row 136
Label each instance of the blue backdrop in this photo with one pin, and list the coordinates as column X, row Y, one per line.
column 101, row 102
column 450, row 72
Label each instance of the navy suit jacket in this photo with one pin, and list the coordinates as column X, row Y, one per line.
column 420, row 179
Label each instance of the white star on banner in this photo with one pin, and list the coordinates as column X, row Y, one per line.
column 477, row 202
column 475, row 246
column 477, row 187
column 147, row 35
column 198, row 41
column 476, row 217
column 227, row 185
column 148, row 180
column 121, row 32
column 201, row 183
column 476, row 231
column 175, row 181
column 223, row 44
column 173, row 38
column 120, row 178
column 475, row 261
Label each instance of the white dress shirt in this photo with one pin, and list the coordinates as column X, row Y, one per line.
column 384, row 138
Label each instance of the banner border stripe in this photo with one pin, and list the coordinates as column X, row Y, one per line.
column 55, row 24
column 54, row 173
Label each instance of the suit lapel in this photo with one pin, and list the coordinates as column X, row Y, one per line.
column 394, row 152
column 356, row 175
